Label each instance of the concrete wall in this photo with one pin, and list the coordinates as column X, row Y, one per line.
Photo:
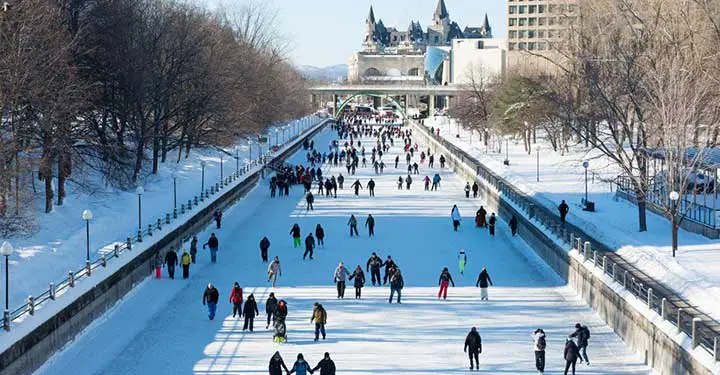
column 474, row 57
column 660, row 351
column 30, row 352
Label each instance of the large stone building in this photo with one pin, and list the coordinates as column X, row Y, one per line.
column 401, row 56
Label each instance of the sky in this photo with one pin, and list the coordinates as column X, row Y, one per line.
column 327, row 32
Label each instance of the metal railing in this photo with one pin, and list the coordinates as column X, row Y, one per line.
column 701, row 328
column 58, row 289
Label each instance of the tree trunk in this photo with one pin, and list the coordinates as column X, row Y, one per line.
column 61, row 179
column 156, row 144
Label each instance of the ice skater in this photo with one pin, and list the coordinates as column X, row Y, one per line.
column 455, row 216
column 462, row 261
column 483, row 282
column 473, row 347
column 445, row 279
column 210, row 298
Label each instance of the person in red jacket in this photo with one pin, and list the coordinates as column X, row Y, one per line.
column 445, row 279
column 236, row 298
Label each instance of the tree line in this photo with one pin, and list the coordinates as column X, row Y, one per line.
column 627, row 78
column 116, row 87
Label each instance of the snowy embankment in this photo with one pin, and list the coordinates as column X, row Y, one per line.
column 163, row 327
column 693, row 274
column 60, row 245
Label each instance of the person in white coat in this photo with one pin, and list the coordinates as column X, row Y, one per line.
column 540, row 344
column 341, row 274
column 274, row 270
column 455, row 216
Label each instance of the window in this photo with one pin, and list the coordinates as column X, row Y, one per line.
column 522, row 21
column 512, row 21
column 541, row 8
column 541, row 46
column 531, row 46
column 541, row 33
column 480, row 44
column 551, row 8
column 522, row 34
column 531, row 33
column 512, row 34
column 551, row 21
column 532, row 21
column 532, row 8
column 521, row 9
column 541, row 21
column 512, row 9
column 437, row 39
column 512, row 46
column 522, row 45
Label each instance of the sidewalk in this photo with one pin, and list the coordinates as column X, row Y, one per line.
column 693, row 274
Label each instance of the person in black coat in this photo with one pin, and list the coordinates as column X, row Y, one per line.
column 473, row 347
column 271, row 309
column 483, row 281
column 373, row 266
column 250, row 310
column 264, row 246
column 571, row 355
column 513, row 225
column 370, row 224
column 320, row 235
column 491, row 224
column 277, row 365
column 359, row 276
column 309, row 245
column 389, row 264
column 171, row 260
column 310, row 199
column 564, row 209
column 475, row 189
column 326, row 366
column 582, row 333
column 444, row 281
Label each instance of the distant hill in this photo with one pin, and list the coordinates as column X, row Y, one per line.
column 330, row 73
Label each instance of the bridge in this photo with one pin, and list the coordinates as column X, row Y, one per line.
column 400, row 95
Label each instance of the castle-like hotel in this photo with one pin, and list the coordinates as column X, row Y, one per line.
column 414, row 55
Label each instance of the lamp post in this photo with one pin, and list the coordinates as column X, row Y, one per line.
column 140, row 191
column 537, row 148
column 507, row 151
column 202, row 178
column 174, row 177
column 674, row 196
column 87, row 215
column 6, row 250
column 585, row 165
column 237, row 159
column 222, row 175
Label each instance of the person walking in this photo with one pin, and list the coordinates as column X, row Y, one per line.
column 475, row 189
column 370, row 224
column 442, row 161
column 397, row 161
column 236, row 298
column 159, row 263
column 408, row 182
column 353, row 225
column 217, row 215
column 396, row 285
column 210, row 298
column 339, row 277
column 491, row 224
column 309, row 246
column 445, row 279
column 340, row 181
column 309, row 198
column 326, row 366
column 250, row 311
column 426, row 181
column 171, row 260
column 320, row 235
column 483, row 282
column 185, row 261
column 462, row 261
column 193, row 248
column 436, row 182
column 571, row 355
column 540, row 344
column 400, row 183
column 277, row 365
column 271, row 309
column 473, row 347
column 213, row 244
column 373, row 266
column 300, row 367
column 359, row 282
column 481, row 217
column 455, row 216
column 564, row 209
column 582, row 333
column 264, row 246
column 371, row 187
column 389, row 265
column 513, row 225
column 319, row 317
column 467, row 190
column 295, row 232
column 357, row 186
column 274, row 270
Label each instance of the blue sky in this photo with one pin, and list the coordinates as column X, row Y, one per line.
column 327, row 32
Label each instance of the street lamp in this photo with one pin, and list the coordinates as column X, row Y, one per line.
column 237, row 159
column 174, row 177
column 537, row 148
column 202, row 178
column 674, row 196
column 221, row 168
column 6, row 250
column 140, row 191
column 87, row 215
column 585, row 165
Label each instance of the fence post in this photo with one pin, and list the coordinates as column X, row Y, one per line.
column 649, row 298
column 31, row 305
column 52, row 291
column 695, row 333
column 202, row 197
column 174, row 214
column 679, row 320
column 71, row 280
column 587, row 249
column 116, row 251
column 167, row 216
column 159, row 224
column 150, row 230
column 139, row 236
column 104, row 260
column 663, row 308
column 182, row 208
column 625, row 278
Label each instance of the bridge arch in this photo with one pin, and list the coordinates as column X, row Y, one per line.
column 345, row 102
column 371, row 72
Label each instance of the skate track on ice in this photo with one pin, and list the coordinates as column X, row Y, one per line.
column 162, row 327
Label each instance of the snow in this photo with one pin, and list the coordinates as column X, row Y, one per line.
column 59, row 246
column 161, row 327
column 694, row 274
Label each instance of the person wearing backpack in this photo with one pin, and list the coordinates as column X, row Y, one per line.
column 474, row 343
column 582, row 333
column 540, row 345
column 571, row 355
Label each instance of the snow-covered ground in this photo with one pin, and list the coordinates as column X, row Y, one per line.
column 163, row 328
column 59, row 245
column 694, row 273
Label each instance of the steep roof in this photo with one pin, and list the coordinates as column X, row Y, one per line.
column 371, row 16
column 441, row 10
